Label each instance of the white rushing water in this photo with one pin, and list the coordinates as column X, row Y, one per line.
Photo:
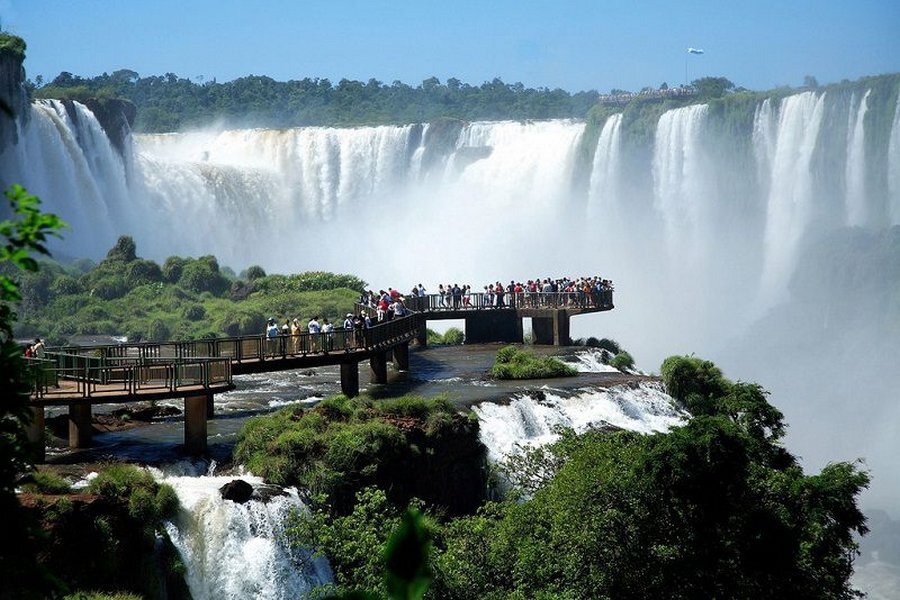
column 790, row 195
column 857, row 208
column 681, row 182
column 533, row 419
column 894, row 169
column 232, row 550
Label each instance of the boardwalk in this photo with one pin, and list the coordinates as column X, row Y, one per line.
column 196, row 370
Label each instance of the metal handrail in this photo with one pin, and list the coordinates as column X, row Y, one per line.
column 255, row 347
column 593, row 300
column 91, row 375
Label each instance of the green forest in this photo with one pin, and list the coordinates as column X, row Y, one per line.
column 169, row 103
column 183, row 298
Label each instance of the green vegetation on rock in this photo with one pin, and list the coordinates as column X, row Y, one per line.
column 454, row 336
column 516, row 363
column 715, row 508
column 408, row 446
column 13, row 46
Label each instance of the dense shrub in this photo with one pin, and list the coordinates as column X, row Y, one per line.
column 622, row 361
column 694, row 382
column 125, row 250
column 135, row 488
column 200, row 276
column 171, row 269
column 65, row 285
column 110, row 287
column 140, row 272
column 158, row 331
column 254, row 272
column 194, row 312
column 515, row 363
column 407, row 446
column 46, row 482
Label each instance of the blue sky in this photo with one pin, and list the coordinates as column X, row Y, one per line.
column 573, row 45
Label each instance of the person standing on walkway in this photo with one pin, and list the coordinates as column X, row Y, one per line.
column 271, row 337
column 313, row 328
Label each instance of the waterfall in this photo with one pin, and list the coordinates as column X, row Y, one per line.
column 894, row 168
column 606, row 184
column 681, row 182
column 68, row 161
column 790, row 195
column 728, row 209
column 534, row 418
column 238, row 550
column 857, row 208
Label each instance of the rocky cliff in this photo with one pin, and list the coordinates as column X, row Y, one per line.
column 115, row 115
column 13, row 95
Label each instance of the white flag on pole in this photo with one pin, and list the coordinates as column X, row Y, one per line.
column 695, row 50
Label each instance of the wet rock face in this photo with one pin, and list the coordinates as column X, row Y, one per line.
column 237, row 491
column 13, row 97
column 115, row 115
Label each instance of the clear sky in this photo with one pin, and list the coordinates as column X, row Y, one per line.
column 573, row 45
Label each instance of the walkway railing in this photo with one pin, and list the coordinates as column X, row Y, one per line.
column 87, row 376
column 258, row 347
column 595, row 300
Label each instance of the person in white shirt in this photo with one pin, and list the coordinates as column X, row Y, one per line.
column 313, row 328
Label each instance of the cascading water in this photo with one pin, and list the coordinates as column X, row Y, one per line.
column 681, row 182
column 68, row 161
column 533, row 418
column 235, row 550
column 606, row 183
column 894, row 169
column 857, row 209
column 790, row 194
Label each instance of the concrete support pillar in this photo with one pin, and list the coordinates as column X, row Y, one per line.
column 494, row 326
column 422, row 336
column 195, row 423
column 542, row 329
column 378, row 366
column 80, row 425
column 401, row 356
column 350, row 379
column 210, row 406
column 35, row 434
column 561, row 328
column 551, row 330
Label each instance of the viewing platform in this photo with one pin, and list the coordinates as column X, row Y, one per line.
column 197, row 370
column 490, row 320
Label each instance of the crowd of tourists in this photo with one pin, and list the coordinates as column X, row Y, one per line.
column 322, row 335
column 319, row 334
column 547, row 292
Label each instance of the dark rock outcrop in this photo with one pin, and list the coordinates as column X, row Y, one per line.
column 115, row 115
column 13, row 95
column 440, row 141
column 237, row 491
column 266, row 492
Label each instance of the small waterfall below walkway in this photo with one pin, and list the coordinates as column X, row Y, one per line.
column 233, row 550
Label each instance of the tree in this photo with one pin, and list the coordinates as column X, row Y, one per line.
column 24, row 234
column 713, row 509
column 124, row 250
column 712, row 87
column 810, row 82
